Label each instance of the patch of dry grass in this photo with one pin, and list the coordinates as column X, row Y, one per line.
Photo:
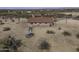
column 66, row 33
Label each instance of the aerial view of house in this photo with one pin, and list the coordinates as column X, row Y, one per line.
column 39, row 29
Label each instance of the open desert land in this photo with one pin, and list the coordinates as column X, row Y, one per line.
column 58, row 42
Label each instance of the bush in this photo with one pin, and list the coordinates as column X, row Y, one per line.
column 59, row 28
column 12, row 44
column 6, row 29
column 50, row 32
column 65, row 33
column 44, row 45
column 77, row 18
column 1, row 23
column 77, row 49
column 55, row 20
column 13, row 20
column 77, row 35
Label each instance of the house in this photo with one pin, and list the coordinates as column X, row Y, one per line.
column 40, row 21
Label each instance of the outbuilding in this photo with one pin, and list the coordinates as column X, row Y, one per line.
column 40, row 21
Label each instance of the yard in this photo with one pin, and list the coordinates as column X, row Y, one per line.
column 57, row 41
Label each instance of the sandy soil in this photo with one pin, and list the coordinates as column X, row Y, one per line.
column 57, row 41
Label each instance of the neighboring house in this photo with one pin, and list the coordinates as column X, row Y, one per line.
column 40, row 21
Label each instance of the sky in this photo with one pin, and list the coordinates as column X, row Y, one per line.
column 31, row 7
column 34, row 7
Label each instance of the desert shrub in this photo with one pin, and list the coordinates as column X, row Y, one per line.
column 59, row 28
column 55, row 20
column 13, row 20
column 12, row 44
column 65, row 33
column 6, row 29
column 77, row 49
column 77, row 35
column 44, row 45
column 76, row 18
column 1, row 23
column 50, row 32
column 6, row 50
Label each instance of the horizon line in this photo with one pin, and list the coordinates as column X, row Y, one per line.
column 26, row 8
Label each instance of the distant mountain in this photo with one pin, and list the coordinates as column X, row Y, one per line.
column 42, row 8
column 27, row 8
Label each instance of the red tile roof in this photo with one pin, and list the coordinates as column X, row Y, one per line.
column 40, row 20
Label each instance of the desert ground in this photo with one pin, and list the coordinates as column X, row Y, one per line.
column 57, row 41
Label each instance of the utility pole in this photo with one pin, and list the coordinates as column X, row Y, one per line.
column 66, row 19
